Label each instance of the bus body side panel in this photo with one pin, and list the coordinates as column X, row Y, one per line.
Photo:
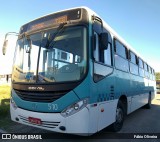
column 78, row 123
column 101, row 115
column 140, row 89
column 107, row 113
column 136, row 91
column 139, row 101
column 93, row 118
column 103, row 104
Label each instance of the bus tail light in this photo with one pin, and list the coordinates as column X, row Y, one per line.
column 74, row 108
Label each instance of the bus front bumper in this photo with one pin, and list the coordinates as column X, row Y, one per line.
column 77, row 123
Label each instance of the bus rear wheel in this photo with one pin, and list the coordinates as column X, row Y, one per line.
column 148, row 105
column 120, row 114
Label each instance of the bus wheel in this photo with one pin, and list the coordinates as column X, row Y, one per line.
column 117, row 125
column 148, row 105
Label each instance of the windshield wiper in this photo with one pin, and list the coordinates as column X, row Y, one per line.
column 28, row 46
column 48, row 44
column 51, row 39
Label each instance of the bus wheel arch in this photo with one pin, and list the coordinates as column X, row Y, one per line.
column 148, row 105
column 121, row 112
column 123, row 99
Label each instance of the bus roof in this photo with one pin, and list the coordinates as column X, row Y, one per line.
column 113, row 32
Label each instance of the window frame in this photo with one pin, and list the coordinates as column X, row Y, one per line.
column 126, row 58
column 101, row 60
column 142, row 63
column 99, row 63
column 136, row 58
column 125, row 47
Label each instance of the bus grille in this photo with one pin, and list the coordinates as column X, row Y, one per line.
column 46, row 124
column 40, row 96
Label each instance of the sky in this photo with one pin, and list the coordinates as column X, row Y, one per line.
column 136, row 21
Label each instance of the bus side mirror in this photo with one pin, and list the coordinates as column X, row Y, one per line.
column 104, row 41
column 5, row 44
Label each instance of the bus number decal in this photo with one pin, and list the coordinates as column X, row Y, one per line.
column 52, row 107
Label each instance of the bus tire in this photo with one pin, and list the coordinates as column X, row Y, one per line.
column 120, row 115
column 148, row 105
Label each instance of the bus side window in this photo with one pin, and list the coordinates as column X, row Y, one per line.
column 121, row 56
column 106, row 54
column 102, row 56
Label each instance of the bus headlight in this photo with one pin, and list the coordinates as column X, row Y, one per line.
column 72, row 109
column 13, row 104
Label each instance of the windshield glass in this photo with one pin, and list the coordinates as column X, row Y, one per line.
column 51, row 56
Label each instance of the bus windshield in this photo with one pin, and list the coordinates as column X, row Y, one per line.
column 51, row 56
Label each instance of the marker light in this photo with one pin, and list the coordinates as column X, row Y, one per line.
column 74, row 108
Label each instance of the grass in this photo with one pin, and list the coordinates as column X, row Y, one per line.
column 4, row 106
column 4, row 99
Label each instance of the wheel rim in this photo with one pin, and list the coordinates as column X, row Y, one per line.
column 119, row 115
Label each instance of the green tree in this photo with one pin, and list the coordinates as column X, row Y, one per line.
column 157, row 75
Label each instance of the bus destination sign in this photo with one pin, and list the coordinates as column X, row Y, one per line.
column 58, row 20
column 52, row 19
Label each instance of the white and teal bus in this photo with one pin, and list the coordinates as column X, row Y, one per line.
column 72, row 73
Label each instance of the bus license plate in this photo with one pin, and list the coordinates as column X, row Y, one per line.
column 34, row 120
